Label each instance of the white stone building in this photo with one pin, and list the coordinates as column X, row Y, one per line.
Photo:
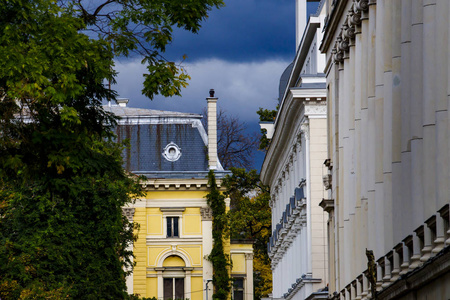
column 388, row 147
column 293, row 167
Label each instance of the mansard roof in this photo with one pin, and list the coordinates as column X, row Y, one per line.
column 163, row 144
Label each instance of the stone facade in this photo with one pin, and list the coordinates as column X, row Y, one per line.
column 293, row 168
column 388, row 147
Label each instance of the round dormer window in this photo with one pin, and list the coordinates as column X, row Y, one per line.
column 172, row 152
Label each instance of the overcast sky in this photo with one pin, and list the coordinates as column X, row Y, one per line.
column 241, row 51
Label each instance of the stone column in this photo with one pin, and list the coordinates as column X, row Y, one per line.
column 187, row 282
column 129, row 213
column 249, row 276
column 207, row 241
column 159, row 274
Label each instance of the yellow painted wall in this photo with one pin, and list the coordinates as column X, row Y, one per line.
column 173, row 261
column 140, row 252
column 155, row 252
column 242, row 247
column 194, row 253
column 151, row 222
column 238, row 261
column 155, row 219
column 152, row 287
column 192, row 221
column 196, row 289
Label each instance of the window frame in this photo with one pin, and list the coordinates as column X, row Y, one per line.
column 236, row 289
column 174, row 222
column 172, row 212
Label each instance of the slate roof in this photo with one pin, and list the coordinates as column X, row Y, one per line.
column 131, row 112
column 151, row 131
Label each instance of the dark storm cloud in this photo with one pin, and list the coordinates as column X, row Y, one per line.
column 243, row 30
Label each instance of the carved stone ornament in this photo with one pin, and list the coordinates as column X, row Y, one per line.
column 128, row 212
column 348, row 31
column 354, row 16
column 338, row 55
column 362, row 5
column 248, row 256
column 305, row 130
column 327, row 181
column 343, row 43
column 206, row 213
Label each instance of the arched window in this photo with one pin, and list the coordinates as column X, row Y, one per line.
column 174, row 277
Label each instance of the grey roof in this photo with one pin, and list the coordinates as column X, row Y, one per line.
column 315, row 85
column 141, row 112
column 284, row 80
column 149, row 132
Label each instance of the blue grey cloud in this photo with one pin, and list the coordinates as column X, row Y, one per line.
column 243, row 30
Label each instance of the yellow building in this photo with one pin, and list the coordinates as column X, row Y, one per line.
column 174, row 152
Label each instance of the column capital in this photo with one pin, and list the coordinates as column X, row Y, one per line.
column 206, row 213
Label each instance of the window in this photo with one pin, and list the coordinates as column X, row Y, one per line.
column 172, row 227
column 172, row 152
column 238, row 289
column 173, row 288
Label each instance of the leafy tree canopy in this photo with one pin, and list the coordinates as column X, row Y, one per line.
column 266, row 115
column 62, row 186
column 250, row 218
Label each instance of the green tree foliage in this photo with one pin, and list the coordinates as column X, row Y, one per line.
column 266, row 115
column 62, row 233
column 145, row 27
column 250, row 218
column 220, row 262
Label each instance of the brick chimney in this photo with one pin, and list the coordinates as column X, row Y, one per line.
column 212, row 131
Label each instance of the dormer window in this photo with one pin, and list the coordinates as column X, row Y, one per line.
column 172, row 152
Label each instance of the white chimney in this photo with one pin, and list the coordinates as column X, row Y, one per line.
column 212, row 131
column 122, row 102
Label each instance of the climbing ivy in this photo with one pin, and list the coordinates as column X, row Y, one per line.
column 220, row 261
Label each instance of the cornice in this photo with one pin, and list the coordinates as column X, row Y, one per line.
column 347, row 24
column 302, row 54
column 288, row 231
column 300, row 104
column 178, row 184
column 163, row 241
column 332, row 24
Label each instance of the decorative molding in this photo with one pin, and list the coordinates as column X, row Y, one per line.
column 161, row 183
column 345, row 38
column 327, row 205
column 128, row 212
column 248, row 256
column 286, row 231
column 206, row 213
column 172, row 209
column 305, row 130
column 315, row 109
column 328, row 164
